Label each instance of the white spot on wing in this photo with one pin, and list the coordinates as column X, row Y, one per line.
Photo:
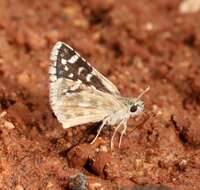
column 54, row 63
column 71, row 75
column 79, row 81
column 80, row 69
column 53, row 57
column 52, row 78
column 66, row 68
column 73, row 59
column 54, row 52
column 63, row 61
column 52, row 70
column 89, row 76
column 57, row 45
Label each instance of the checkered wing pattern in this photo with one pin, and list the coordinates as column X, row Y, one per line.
column 78, row 93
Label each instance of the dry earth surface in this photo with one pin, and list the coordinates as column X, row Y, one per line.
column 134, row 44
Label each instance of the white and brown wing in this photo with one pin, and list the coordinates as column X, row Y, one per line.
column 68, row 64
column 83, row 105
column 78, row 93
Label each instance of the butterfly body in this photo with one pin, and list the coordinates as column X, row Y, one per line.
column 79, row 94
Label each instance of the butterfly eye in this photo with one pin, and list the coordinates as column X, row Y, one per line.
column 134, row 108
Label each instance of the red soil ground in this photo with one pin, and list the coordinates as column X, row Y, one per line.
column 135, row 44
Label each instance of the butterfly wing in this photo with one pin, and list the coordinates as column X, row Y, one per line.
column 69, row 64
column 83, row 105
column 78, row 93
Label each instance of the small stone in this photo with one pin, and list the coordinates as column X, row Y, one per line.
column 8, row 125
column 189, row 6
column 77, row 182
column 149, row 26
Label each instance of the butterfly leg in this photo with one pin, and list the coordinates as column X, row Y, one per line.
column 99, row 130
column 123, row 132
column 116, row 129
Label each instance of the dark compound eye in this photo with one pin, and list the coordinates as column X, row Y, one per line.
column 133, row 108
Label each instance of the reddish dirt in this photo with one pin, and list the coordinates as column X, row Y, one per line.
column 134, row 44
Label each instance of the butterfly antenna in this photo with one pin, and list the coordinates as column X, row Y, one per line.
column 142, row 93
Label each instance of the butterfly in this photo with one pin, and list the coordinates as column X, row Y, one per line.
column 79, row 94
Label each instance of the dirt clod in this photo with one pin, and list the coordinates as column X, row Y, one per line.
column 77, row 182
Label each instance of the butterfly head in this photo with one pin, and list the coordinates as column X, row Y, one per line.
column 135, row 107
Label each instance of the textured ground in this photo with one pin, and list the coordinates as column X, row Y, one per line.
column 134, row 44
